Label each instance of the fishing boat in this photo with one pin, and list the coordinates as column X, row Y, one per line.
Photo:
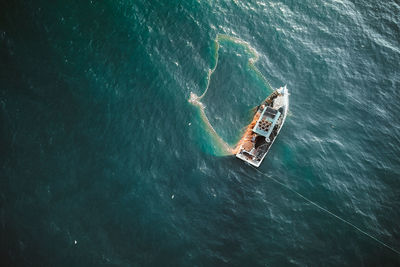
column 261, row 133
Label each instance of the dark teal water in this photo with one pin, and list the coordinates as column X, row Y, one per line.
column 99, row 165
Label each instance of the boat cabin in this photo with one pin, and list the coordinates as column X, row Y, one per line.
column 266, row 122
column 264, row 128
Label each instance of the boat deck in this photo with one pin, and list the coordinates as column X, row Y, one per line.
column 265, row 126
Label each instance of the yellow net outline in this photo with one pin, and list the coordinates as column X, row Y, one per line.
column 224, row 147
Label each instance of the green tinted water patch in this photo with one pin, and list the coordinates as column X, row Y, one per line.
column 233, row 90
column 233, row 87
column 209, row 141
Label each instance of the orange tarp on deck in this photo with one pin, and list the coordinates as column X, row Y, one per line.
column 248, row 134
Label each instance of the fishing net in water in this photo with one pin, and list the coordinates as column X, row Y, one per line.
column 223, row 147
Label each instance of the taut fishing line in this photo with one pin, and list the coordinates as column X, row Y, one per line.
column 329, row 212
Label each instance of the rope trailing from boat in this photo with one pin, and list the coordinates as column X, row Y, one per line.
column 329, row 212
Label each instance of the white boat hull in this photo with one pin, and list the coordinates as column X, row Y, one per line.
column 250, row 150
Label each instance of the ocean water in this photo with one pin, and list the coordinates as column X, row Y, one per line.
column 105, row 162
